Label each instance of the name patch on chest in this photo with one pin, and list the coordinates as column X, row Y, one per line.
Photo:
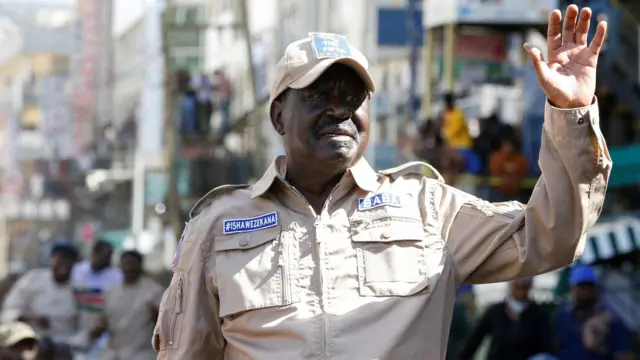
column 261, row 222
column 377, row 200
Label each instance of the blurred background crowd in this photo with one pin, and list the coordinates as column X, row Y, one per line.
column 116, row 116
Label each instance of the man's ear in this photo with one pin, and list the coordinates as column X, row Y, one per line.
column 276, row 116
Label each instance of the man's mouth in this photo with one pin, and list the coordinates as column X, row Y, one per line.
column 337, row 133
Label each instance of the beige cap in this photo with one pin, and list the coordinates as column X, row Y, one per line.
column 13, row 333
column 305, row 60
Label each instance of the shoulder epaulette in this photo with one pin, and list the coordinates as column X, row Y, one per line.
column 418, row 167
column 206, row 200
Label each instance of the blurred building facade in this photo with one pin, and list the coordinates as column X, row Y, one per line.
column 36, row 42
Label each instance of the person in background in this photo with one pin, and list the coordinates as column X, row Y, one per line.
column 188, row 104
column 457, row 139
column 18, row 338
column 222, row 91
column 584, row 329
column 519, row 328
column 91, row 280
column 131, row 311
column 43, row 298
column 454, row 127
column 509, row 166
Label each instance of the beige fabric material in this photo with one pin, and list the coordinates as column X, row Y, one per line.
column 36, row 293
column 129, row 320
column 375, row 282
column 300, row 67
column 13, row 333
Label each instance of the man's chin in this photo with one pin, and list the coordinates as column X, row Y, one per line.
column 344, row 156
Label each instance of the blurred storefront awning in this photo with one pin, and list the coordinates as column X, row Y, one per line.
column 611, row 239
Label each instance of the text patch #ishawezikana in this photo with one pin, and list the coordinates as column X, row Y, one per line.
column 233, row 226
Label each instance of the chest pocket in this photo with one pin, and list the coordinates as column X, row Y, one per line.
column 395, row 256
column 254, row 271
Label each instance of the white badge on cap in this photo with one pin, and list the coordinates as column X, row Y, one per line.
column 329, row 46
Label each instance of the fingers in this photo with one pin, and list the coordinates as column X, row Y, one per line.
column 539, row 65
column 570, row 19
column 554, row 30
column 582, row 29
column 598, row 39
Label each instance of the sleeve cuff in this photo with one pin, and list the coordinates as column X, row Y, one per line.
column 571, row 123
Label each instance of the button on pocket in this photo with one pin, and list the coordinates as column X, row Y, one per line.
column 253, row 271
column 392, row 256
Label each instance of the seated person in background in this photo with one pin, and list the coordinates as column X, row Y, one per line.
column 18, row 338
column 509, row 166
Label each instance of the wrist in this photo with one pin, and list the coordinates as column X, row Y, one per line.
column 576, row 104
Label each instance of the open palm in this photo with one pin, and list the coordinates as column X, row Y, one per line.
column 569, row 77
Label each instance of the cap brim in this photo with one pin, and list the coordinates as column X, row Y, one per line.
column 313, row 74
column 21, row 337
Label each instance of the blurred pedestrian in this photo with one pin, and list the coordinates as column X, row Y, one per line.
column 454, row 126
column 131, row 310
column 19, row 338
column 43, row 298
column 584, row 328
column 518, row 327
column 91, row 280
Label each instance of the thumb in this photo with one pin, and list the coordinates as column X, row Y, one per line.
column 537, row 60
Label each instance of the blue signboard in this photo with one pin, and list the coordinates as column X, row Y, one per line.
column 393, row 29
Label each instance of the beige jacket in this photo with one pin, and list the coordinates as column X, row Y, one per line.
column 260, row 275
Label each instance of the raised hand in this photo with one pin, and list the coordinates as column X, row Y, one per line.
column 569, row 77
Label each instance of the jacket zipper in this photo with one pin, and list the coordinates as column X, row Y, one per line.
column 177, row 309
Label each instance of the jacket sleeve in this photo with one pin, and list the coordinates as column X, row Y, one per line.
column 501, row 241
column 188, row 325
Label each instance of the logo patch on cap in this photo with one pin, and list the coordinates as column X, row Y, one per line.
column 329, row 46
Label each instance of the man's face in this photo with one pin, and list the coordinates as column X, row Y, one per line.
column 61, row 267
column 519, row 290
column 585, row 295
column 131, row 269
column 508, row 147
column 326, row 121
column 101, row 257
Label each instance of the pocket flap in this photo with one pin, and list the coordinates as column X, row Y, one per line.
column 389, row 229
column 246, row 240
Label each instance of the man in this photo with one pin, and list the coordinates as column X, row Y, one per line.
column 584, row 328
column 91, row 281
column 43, row 298
column 323, row 258
column 131, row 310
column 19, row 338
column 519, row 328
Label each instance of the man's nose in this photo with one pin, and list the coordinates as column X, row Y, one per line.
column 337, row 109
